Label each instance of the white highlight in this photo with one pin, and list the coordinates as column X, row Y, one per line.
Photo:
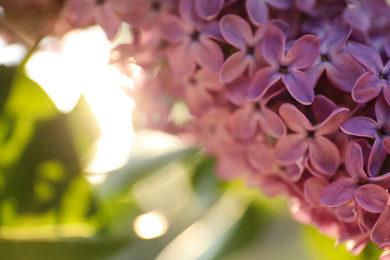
column 150, row 225
column 80, row 66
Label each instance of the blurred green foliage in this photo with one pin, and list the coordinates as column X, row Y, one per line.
column 48, row 209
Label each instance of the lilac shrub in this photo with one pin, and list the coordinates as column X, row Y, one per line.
column 293, row 96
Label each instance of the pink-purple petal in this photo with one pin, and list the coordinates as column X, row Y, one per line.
column 294, row 118
column 273, row 46
column 372, row 198
column 257, row 11
column 376, row 158
column 181, row 59
column 242, row 123
column 304, row 52
column 332, row 123
column 343, row 71
column 299, row 86
column 313, row 188
column 271, row 123
column 339, row 192
column 208, row 54
column 108, row 20
column 366, row 55
column 262, row 81
column 360, row 126
column 380, row 231
column 172, row 29
column 290, row 148
column 322, row 107
column 367, row 87
column 208, row 9
column 324, row 155
column 354, row 161
column 236, row 31
column 233, row 67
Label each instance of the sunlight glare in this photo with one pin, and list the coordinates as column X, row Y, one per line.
column 150, row 225
column 80, row 66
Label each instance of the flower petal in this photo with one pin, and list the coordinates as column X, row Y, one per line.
column 324, row 155
column 304, row 52
column 233, row 67
column 236, row 31
column 366, row 56
column 338, row 192
column 272, row 47
column 380, row 231
column 360, row 126
column 280, row 4
column 290, row 148
column 257, row 11
column 386, row 144
column 382, row 113
column 208, row 54
column 313, row 188
column 208, row 9
column 294, row 118
column 343, row 71
column 271, row 123
column 262, row 81
column 108, row 20
column 242, row 123
column 172, row 29
column 299, row 86
column 181, row 59
column 372, row 198
column 332, row 123
column 366, row 87
column 376, row 158
column 354, row 161
column 322, row 107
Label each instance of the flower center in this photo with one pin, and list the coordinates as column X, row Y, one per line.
column 250, row 50
column 283, row 69
column 383, row 76
column 100, row 2
column 381, row 132
column 362, row 181
column 324, row 57
column 310, row 134
column 195, row 36
column 156, row 5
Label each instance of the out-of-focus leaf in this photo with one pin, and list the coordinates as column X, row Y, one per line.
column 79, row 249
column 323, row 248
column 28, row 100
column 7, row 77
column 119, row 181
column 51, row 143
column 84, row 129
column 25, row 104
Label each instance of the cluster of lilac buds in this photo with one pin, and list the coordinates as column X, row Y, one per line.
column 293, row 96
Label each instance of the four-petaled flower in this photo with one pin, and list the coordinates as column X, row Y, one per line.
column 323, row 153
column 369, row 84
column 288, row 67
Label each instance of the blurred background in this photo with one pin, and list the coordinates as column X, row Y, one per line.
column 76, row 181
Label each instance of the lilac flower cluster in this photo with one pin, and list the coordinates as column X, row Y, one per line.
column 291, row 95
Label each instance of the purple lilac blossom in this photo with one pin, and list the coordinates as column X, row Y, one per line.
column 292, row 96
column 287, row 67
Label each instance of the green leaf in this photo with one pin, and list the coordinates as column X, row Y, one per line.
column 7, row 76
column 77, row 249
column 121, row 180
column 84, row 129
column 323, row 248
